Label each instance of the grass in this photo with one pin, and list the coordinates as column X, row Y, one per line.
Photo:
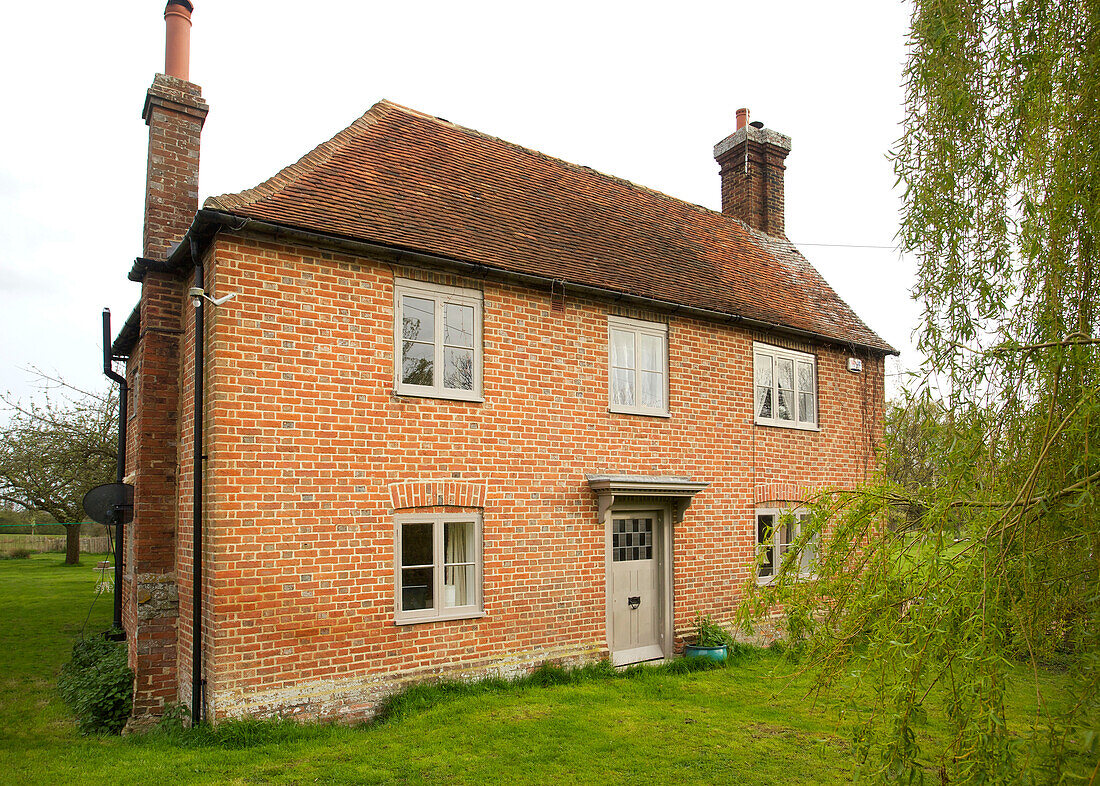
column 747, row 723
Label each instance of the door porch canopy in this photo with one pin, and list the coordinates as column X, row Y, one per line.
column 674, row 489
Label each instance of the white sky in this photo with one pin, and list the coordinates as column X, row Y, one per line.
column 637, row 90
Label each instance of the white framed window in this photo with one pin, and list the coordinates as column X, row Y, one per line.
column 437, row 338
column 437, row 567
column 637, row 366
column 784, row 387
column 777, row 530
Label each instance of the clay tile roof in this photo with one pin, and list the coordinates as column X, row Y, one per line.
column 405, row 179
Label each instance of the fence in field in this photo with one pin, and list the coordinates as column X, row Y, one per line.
column 89, row 544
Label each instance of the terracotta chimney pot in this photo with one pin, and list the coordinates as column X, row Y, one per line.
column 177, row 42
column 742, row 118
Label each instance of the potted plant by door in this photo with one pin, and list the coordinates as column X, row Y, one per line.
column 711, row 640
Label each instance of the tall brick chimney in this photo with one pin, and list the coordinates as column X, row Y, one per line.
column 174, row 112
column 751, row 161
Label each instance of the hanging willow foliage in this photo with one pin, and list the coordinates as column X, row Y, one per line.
column 991, row 576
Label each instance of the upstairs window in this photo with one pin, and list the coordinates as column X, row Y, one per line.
column 785, row 387
column 637, row 366
column 776, row 532
column 438, row 341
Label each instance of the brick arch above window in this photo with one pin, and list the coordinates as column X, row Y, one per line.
column 782, row 492
column 432, row 493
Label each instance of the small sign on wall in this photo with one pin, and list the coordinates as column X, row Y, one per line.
column 855, row 365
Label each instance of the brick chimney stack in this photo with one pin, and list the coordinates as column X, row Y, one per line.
column 175, row 112
column 751, row 161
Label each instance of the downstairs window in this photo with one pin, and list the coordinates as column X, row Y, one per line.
column 437, row 566
column 777, row 530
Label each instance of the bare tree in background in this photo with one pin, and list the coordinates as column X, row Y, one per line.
column 54, row 449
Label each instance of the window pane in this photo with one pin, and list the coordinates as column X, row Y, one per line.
column 416, row 588
column 765, row 526
column 764, row 402
column 622, row 350
column 763, row 366
column 631, row 539
column 418, row 363
column 809, row 553
column 805, row 378
column 458, row 542
column 785, row 410
column 786, row 374
column 458, row 368
column 788, row 532
column 458, row 586
column 417, row 319
column 807, row 407
column 653, row 390
column 649, row 353
column 458, row 325
column 622, row 386
column 458, row 558
column 416, row 544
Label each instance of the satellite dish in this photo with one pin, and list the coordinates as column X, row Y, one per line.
column 111, row 503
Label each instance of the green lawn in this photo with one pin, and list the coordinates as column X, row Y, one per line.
column 744, row 724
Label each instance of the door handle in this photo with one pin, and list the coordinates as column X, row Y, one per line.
column 634, row 601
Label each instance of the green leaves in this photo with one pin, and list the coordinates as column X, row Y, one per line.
column 97, row 685
column 977, row 549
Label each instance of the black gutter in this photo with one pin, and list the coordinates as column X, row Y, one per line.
column 208, row 222
column 120, row 461
column 142, row 264
column 197, row 705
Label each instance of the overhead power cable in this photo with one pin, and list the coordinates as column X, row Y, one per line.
column 843, row 245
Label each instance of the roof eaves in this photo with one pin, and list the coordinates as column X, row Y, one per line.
column 127, row 338
column 207, row 220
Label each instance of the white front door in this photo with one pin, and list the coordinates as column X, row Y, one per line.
column 636, row 594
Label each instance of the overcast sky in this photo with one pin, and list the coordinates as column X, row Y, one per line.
column 637, row 90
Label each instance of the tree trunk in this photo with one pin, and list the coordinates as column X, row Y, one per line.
column 72, row 544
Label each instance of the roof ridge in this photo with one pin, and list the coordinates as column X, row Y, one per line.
column 567, row 164
column 315, row 158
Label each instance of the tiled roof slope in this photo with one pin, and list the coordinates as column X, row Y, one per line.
column 401, row 178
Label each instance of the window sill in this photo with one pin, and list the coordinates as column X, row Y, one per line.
column 446, row 617
column 788, row 425
column 445, row 395
column 644, row 412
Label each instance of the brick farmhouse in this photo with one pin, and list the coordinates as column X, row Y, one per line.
column 470, row 408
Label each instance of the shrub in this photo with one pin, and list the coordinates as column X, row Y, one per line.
column 98, row 685
column 20, row 553
column 709, row 633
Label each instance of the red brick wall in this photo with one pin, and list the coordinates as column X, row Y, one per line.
column 185, row 498
column 174, row 111
column 306, row 442
column 149, row 598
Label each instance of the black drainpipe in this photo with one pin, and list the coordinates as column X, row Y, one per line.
column 196, row 487
column 120, row 462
